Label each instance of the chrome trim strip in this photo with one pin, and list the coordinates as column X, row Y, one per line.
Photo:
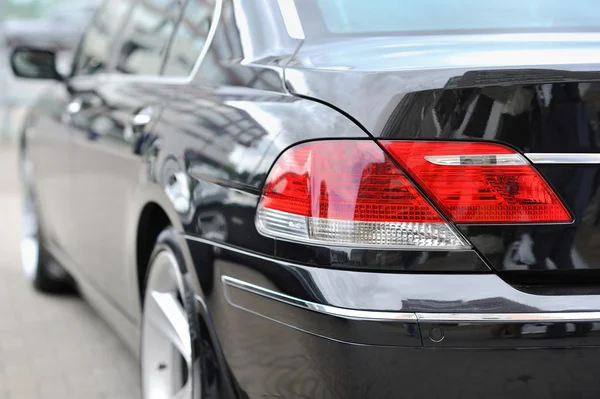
column 588, row 158
column 427, row 317
column 351, row 314
column 477, row 160
column 367, row 315
column 212, row 31
column 291, row 20
column 513, row 159
column 554, row 317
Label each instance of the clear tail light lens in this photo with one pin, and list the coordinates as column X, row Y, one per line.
column 349, row 193
column 479, row 183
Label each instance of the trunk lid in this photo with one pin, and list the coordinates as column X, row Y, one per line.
column 539, row 94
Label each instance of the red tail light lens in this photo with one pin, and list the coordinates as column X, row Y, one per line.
column 348, row 193
column 479, row 182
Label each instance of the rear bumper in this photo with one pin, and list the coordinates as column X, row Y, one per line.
column 288, row 331
column 270, row 360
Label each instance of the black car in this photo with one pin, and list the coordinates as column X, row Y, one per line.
column 328, row 199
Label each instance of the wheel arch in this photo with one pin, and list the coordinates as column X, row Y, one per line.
column 152, row 221
column 151, row 212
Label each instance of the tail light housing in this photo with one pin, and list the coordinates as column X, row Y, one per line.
column 479, row 183
column 351, row 193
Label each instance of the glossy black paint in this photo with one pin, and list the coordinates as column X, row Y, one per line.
column 385, row 333
column 559, row 254
column 300, row 352
column 303, row 365
column 378, row 291
column 534, row 118
column 536, row 110
column 208, row 148
column 510, row 335
column 390, row 261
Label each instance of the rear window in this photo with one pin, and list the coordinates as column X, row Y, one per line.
column 437, row 16
column 147, row 35
column 95, row 48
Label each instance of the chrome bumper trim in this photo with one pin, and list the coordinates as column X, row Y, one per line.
column 563, row 158
column 367, row 315
column 554, row 317
column 344, row 313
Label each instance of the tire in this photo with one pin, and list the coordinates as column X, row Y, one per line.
column 45, row 274
column 169, row 355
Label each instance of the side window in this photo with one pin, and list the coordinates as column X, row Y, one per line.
column 147, row 35
column 94, row 49
column 189, row 39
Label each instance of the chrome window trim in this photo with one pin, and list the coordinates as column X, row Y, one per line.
column 555, row 158
column 366, row 315
column 291, row 20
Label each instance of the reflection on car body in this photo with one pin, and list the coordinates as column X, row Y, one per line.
column 319, row 199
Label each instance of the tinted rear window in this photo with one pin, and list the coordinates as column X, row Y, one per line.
column 433, row 16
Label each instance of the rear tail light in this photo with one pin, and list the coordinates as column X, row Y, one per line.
column 349, row 193
column 479, row 183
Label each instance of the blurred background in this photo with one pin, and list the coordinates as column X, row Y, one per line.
column 51, row 346
column 42, row 23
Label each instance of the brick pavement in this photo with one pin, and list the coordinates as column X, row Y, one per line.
column 51, row 347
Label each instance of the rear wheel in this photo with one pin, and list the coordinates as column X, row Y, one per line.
column 38, row 266
column 169, row 327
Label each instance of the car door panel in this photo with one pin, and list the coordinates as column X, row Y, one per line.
column 106, row 154
column 107, row 168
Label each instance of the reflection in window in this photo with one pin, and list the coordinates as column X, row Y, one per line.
column 190, row 38
column 378, row 16
column 94, row 51
column 147, row 36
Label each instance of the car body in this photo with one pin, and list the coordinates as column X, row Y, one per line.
column 195, row 137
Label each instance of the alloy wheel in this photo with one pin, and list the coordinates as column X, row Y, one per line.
column 166, row 349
